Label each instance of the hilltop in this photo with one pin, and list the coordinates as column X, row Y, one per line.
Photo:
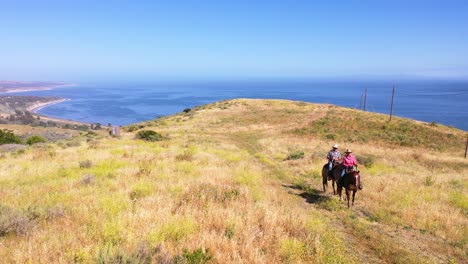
column 239, row 181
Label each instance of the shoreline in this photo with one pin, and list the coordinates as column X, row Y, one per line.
column 37, row 107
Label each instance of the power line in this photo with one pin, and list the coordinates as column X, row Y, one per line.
column 434, row 94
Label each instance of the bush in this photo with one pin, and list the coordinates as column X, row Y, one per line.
column 132, row 128
column 73, row 143
column 140, row 190
column 186, row 110
column 88, row 179
column 198, row 256
column 35, row 139
column 8, row 137
column 13, row 221
column 295, row 155
column 85, row 164
column 149, row 135
column 142, row 254
column 367, row 161
column 187, row 156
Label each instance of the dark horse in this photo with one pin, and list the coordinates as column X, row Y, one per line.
column 351, row 182
column 335, row 176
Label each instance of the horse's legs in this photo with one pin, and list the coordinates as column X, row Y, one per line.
column 354, row 193
column 325, row 177
column 333, row 185
column 347, row 196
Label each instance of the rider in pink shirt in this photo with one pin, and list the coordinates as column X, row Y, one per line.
column 349, row 161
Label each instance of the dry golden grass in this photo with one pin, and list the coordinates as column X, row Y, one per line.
column 220, row 183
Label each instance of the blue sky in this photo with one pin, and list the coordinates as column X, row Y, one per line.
column 152, row 40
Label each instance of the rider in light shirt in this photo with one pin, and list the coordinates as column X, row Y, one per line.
column 333, row 155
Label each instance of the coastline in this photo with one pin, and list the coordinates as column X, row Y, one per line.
column 38, row 106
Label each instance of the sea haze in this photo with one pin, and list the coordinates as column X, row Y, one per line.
column 443, row 102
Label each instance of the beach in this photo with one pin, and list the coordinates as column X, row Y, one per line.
column 38, row 106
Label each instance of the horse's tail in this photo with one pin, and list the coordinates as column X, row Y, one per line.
column 325, row 173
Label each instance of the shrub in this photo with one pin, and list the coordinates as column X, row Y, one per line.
column 13, row 221
column 91, row 134
column 142, row 254
column 88, row 179
column 73, row 143
column 8, row 137
column 185, row 156
column 149, row 135
column 132, row 128
column 429, row 181
column 54, row 212
column 145, row 166
column 85, row 164
column 295, row 155
column 186, row 110
column 367, row 161
column 140, row 190
column 35, row 139
column 229, row 233
column 198, row 256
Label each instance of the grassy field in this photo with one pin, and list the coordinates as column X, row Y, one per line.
column 220, row 188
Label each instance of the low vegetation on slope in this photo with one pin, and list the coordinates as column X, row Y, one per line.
column 237, row 182
column 348, row 125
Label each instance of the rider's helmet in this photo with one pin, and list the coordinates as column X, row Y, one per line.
column 335, row 146
column 348, row 151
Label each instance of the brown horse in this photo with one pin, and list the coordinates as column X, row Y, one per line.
column 351, row 182
column 336, row 171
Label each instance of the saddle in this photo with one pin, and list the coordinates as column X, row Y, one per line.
column 335, row 163
column 350, row 169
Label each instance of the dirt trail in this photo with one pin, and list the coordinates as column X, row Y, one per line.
column 372, row 242
column 377, row 242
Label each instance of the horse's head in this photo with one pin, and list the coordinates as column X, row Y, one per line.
column 357, row 178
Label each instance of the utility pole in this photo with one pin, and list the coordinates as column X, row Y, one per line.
column 360, row 102
column 466, row 148
column 365, row 99
column 391, row 105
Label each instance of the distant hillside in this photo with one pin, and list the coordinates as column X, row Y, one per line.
column 239, row 181
column 17, row 86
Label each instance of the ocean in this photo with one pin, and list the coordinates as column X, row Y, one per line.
column 444, row 102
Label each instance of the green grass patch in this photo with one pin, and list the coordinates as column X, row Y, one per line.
column 295, row 155
column 459, row 200
column 113, row 205
column 174, row 231
column 140, row 190
column 198, row 256
column 113, row 232
column 292, row 250
column 107, row 167
column 359, row 127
